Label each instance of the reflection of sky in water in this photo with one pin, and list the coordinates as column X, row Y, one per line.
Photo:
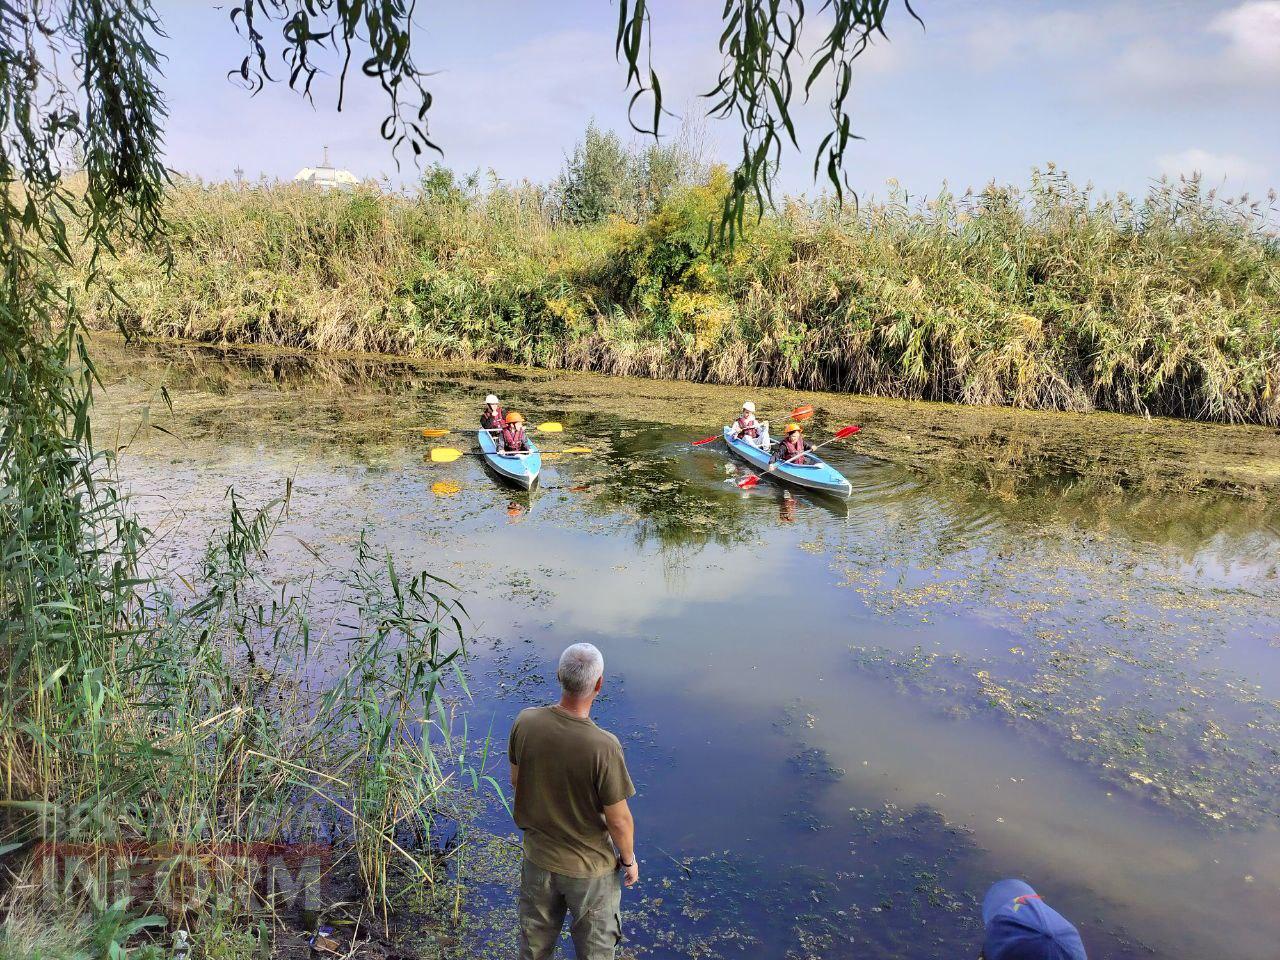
column 727, row 622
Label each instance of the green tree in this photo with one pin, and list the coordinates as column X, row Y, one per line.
column 598, row 181
column 604, row 178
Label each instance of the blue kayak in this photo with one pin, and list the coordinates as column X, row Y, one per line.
column 816, row 474
column 519, row 468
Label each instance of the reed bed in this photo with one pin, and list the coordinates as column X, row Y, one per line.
column 189, row 736
column 1044, row 297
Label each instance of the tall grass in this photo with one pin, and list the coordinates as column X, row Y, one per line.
column 1046, row 297
column 183, row 728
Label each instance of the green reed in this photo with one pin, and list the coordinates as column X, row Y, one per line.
column 203, row 721
column 1048, row 297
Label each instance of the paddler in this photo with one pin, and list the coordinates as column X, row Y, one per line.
column 492, row 418
column 512, row 437
column 747, row 426
column 793, row 447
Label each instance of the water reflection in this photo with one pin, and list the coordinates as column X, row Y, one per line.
column 979, row 669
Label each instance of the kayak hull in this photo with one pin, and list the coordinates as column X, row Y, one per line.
column 520, row 469
column 818, row 476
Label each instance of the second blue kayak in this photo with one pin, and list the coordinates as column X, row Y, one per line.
column 817, row 474
column 522, row 469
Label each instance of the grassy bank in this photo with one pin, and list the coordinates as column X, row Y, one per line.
column 175, row 755
column 197, row 755
column 1045, row 298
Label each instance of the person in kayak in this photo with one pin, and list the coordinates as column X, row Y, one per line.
column 512, row 439
column 747, row 427
column 492, row 418
column 792, row 448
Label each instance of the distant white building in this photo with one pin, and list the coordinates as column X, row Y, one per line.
column 326, row 177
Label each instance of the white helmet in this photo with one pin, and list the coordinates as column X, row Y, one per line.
column 491, row 399
column 749, row 407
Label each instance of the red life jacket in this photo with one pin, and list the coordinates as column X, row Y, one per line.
column 788, row 449
column 513, row 437
column 492, row 421
column 748, row 427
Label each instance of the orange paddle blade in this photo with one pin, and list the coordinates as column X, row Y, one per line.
column 434, row 432
column 802, row 413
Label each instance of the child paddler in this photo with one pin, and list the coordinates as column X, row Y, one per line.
column 792, row 448
column 493, row 417
column 512, row 437
column 747, row 426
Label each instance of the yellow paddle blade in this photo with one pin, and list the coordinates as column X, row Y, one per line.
column 445, row 488
column 576, row 450
column 552, row 427
column 444, row 454
column 431, row 432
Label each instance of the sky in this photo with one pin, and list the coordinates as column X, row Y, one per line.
column 1117, row 92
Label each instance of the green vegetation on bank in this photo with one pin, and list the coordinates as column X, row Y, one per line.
column 163, row 737
column 1048, row 297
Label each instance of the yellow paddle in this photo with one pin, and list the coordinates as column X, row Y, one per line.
column 449, row 454
column 551, row 426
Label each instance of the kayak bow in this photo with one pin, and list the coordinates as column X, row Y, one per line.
column 522, row 469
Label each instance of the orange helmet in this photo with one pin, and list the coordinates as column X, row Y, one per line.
column 793, row 427
column 515, row 416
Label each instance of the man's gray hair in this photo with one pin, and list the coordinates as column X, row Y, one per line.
column 581, row 665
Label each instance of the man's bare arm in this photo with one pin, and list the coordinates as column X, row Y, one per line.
column 622, row 828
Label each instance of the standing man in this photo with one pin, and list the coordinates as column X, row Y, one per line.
column 571, row 788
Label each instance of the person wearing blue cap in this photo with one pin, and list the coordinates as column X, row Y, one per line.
column 1021, row 926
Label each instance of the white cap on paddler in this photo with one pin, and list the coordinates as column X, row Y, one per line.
column 749, row 407
column 491, row 399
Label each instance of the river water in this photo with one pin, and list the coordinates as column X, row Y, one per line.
column 844, row 720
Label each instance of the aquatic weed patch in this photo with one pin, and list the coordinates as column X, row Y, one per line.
column 907, row 888
column 1153, row 732
column 1099, row 635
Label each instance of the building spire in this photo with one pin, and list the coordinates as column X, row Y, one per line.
column 325, row 162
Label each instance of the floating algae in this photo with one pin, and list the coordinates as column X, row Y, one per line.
column 1128, row 629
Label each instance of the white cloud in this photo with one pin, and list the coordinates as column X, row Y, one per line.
column 1000, row 39
column 1212, row 166
column 1253, row 34
column 1236, row 53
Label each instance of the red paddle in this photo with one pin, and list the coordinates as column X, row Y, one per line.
column 751, row 480
column 799, row 413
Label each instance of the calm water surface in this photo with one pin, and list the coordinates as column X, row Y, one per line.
column 844, row 720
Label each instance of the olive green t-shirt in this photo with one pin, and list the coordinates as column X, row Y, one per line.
column 569, row 771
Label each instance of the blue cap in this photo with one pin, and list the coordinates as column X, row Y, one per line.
column 1021, row 926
